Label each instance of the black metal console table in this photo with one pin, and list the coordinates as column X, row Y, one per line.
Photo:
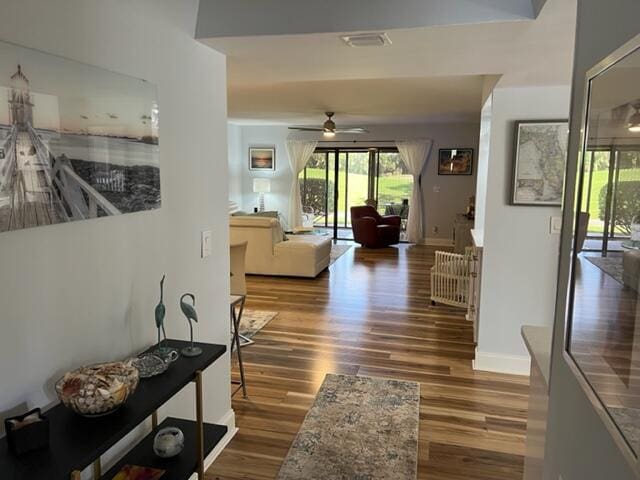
column 77, row 442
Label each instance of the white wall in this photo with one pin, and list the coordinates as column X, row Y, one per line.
column 520, row 257
column 85, row 292
column 440, row 208
column 482, row 176
column 579, row 445
column 270, row 136
column 235, row 166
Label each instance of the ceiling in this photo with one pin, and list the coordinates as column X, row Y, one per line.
column 427, row 74
column 613, row 96
column 404, row 100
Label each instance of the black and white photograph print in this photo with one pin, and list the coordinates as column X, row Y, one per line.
column 76, row 141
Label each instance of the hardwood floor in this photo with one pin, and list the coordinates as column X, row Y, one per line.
column 371, row 315
column 605, row 339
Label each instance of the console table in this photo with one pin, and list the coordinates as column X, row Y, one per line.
column 77, row 442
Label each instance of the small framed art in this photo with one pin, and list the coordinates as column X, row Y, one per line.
column 455, row 161
column 262, row 158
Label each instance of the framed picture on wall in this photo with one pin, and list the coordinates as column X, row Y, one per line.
column 262, row 158
column 540, row 156
column 455, row 161
column 77, row 142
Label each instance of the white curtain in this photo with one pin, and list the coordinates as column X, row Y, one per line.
column 300, row 152
column 414, row 154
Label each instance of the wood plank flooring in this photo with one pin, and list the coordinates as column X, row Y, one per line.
column 370, row 314
column 605, row 338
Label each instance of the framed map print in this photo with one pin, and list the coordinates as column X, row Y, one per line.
column 540, row 156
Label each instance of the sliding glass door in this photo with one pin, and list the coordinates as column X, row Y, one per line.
column 611, row 210
column 337, row 179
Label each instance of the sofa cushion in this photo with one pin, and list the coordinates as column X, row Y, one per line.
column 307, row 255
column 272, row 214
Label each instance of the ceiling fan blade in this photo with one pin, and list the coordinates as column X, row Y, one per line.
column 352, row 130
column 307, row 129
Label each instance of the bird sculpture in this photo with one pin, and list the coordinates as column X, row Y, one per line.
column 161, row 311
column 189, row 311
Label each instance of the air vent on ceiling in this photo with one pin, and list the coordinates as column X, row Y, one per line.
column 367, row 40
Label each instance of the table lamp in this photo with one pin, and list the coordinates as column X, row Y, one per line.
column 261, row 186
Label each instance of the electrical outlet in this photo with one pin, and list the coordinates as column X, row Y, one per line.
column 205, row 244
column 435, row 229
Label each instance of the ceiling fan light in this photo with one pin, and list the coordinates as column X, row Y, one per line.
column 329, row 133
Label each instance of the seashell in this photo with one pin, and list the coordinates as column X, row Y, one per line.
column 104, row 392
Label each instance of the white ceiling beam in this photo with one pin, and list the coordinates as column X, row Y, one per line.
column 235, row 18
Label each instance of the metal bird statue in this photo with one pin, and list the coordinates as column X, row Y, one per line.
column 161, row 311
column 189, row 311
column 163, row 350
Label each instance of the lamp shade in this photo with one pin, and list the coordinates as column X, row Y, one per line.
column 261, row 185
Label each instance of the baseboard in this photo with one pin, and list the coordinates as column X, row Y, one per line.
column 228, row 419
column 438, row 242
column 494, row 362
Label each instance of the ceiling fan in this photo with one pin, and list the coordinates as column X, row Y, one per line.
column 329, row 129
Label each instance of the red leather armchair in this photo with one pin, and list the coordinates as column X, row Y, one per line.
column 372, row 230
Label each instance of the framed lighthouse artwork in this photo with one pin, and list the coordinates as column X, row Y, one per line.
column 76, row 141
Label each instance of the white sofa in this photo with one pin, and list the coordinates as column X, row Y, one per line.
column 269, row 254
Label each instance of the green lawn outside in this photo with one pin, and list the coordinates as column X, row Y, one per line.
column 599, row 181
column 391, row 189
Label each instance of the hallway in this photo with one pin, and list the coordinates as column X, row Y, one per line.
column 370, row 315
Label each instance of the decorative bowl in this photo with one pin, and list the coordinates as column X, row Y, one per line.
column 168, row 442
column 149, row 365
column 97, row 390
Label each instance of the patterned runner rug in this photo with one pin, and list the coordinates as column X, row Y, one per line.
column 610, row 265
column 358, row 428
column 253, row 321
column 337, row 251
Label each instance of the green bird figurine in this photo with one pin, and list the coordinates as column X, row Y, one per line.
column 189, row 311
column 161, row 311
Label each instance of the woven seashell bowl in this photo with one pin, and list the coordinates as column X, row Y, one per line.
column 97, row 390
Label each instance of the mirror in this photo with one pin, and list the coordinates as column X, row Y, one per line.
column 604, row 322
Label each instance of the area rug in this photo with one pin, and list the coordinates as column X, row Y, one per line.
column 628, row 420
column 612, row 266
column 253, row 321
column 337, row 251
column 358, row 428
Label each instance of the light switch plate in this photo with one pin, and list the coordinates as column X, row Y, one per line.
column 555, row 225
column 436, row 189
column 205, row 244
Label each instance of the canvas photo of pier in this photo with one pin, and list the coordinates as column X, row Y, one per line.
column 76, row 141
